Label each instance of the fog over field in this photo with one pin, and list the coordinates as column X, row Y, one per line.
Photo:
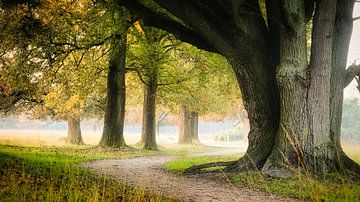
column 21, row 129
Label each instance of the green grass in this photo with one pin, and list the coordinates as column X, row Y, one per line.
column 184, row 150
column 332, row 187
column 51, row 174
column 181, row 164
column 48, row 173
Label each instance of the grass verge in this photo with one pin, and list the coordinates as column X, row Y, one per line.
column 51, row 174
column 181, row 164
column 332, row 187
column 184, row 150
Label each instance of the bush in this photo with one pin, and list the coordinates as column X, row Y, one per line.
column 350, row 126
column 234, row 134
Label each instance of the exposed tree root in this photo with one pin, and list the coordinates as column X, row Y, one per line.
column 243, row 164
column 347, row 167
column 198, row 168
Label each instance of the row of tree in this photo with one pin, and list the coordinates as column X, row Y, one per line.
column 94, row 55
column 292, row 90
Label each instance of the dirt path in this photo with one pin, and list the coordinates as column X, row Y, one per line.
column 147, row 173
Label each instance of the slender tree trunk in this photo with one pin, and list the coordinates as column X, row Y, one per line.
column 195, row 127
column 115, row 109
column 148, row 135
column 74, row 131
column 162, row 116
column 188, row 126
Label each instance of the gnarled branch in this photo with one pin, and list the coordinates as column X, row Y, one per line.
column 181, row 32
column 127, row 69
column 351, row 72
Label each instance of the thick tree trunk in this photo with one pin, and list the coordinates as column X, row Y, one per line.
column 188, row 126
column 292, row 81
column 303, row 140
column 74, row 131
column 341, row 41
column 261, row 103
column 115, row 109
column 148, row 136
column 255, row 72
column 319, row 150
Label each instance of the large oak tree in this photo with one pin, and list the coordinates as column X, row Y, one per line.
column 294, row 107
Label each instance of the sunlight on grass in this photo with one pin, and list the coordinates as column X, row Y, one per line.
column 181, row 164
column 183, row 150
column 332, row 187
column 50, row 174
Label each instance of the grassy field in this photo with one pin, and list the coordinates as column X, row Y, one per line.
column 333, row 187
column 51, row 174
column 34, row 172
column 30, row 171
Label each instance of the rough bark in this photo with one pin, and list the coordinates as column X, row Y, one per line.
column 74, row 131
column 303, row 140
column 188, row 126
column 148, row 135
column 292, row 81
column 341, row 40
column 319, row 150
column 112, row 135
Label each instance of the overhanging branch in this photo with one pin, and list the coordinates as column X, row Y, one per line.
column 163, row 22
column 358, row 82
column 138, row 73
column 351, row 73
column 75, row 46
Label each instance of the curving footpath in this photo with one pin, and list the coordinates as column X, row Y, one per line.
column 148, row 173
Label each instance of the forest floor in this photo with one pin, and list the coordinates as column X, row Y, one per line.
column 149, row 173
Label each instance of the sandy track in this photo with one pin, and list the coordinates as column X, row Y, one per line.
column 147, row 173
